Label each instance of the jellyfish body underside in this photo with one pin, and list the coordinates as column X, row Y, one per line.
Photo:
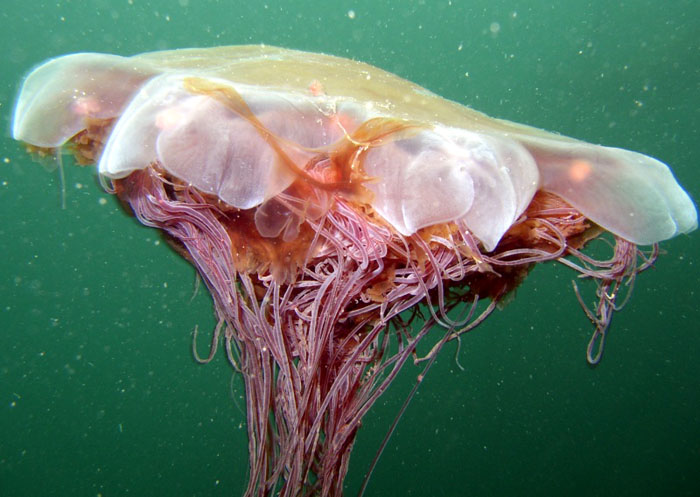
column 322, row 200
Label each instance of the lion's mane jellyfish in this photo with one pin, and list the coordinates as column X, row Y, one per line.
column 338, row 214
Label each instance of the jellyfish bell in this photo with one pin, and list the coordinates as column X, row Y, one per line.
column 327, row 204
column 280, row 88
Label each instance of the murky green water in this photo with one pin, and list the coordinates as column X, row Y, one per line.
column 99, row 394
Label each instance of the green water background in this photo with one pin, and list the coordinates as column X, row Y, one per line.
column 99, row 395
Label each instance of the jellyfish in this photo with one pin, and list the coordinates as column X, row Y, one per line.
column 338, row 215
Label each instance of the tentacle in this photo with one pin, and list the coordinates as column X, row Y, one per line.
column 214, row 343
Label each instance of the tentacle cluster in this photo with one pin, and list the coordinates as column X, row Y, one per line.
column 318, row 344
